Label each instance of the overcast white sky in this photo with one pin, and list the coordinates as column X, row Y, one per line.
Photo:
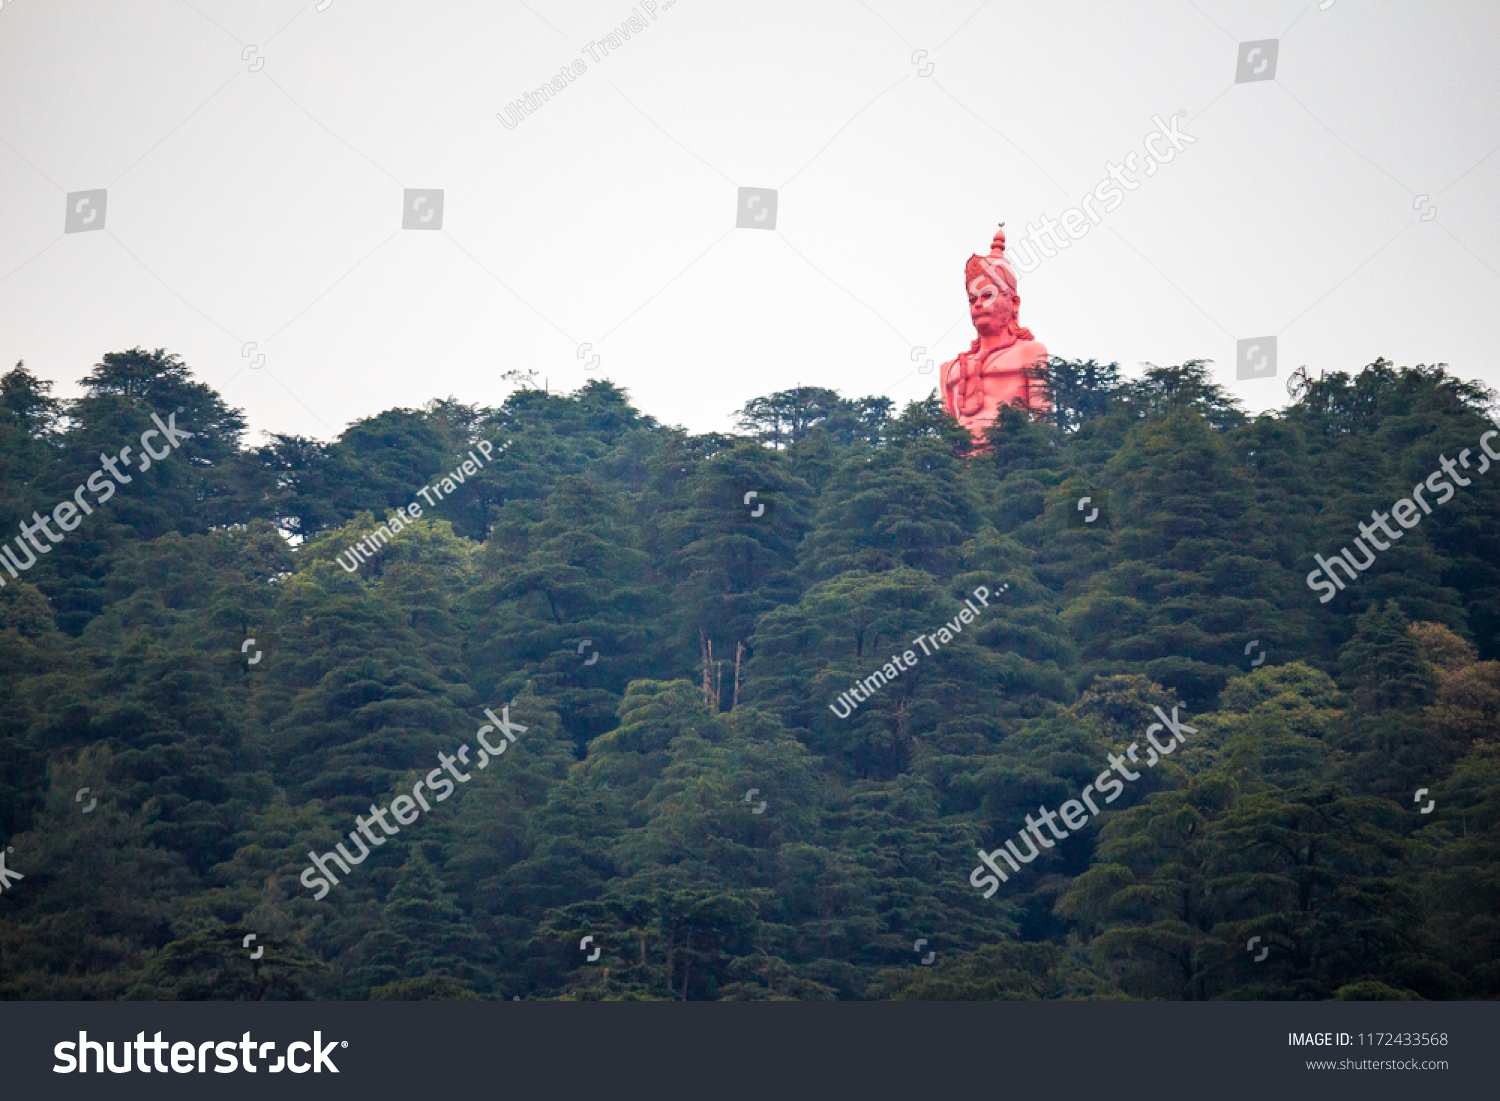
column 257, row 194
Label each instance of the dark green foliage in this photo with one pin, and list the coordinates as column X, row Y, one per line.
column 1077, row 390
column 790, row 416
column 673, row 618
column 1383, row 666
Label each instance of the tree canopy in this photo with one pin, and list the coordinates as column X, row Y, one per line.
column 768, row 717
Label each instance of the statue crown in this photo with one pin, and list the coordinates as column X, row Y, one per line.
column 995, row 265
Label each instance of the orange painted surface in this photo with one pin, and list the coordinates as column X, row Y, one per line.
column 992, row 373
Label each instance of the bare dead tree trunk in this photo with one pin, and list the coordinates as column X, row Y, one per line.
column 713, row 672
column 706, row 652
column 739, row 654
column 687, row 961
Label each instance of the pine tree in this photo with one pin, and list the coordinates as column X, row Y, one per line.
column 421, row 935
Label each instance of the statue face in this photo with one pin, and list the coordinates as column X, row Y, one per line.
column 991, row 313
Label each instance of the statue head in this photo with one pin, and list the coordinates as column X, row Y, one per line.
column 994, row 305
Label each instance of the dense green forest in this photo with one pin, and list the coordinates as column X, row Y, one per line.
column 672, row 618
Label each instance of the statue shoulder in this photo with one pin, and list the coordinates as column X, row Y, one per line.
column 1033, row 350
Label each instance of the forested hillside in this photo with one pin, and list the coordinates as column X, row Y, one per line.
column 672, row 619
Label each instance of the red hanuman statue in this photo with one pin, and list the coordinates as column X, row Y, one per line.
column 993, row 372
